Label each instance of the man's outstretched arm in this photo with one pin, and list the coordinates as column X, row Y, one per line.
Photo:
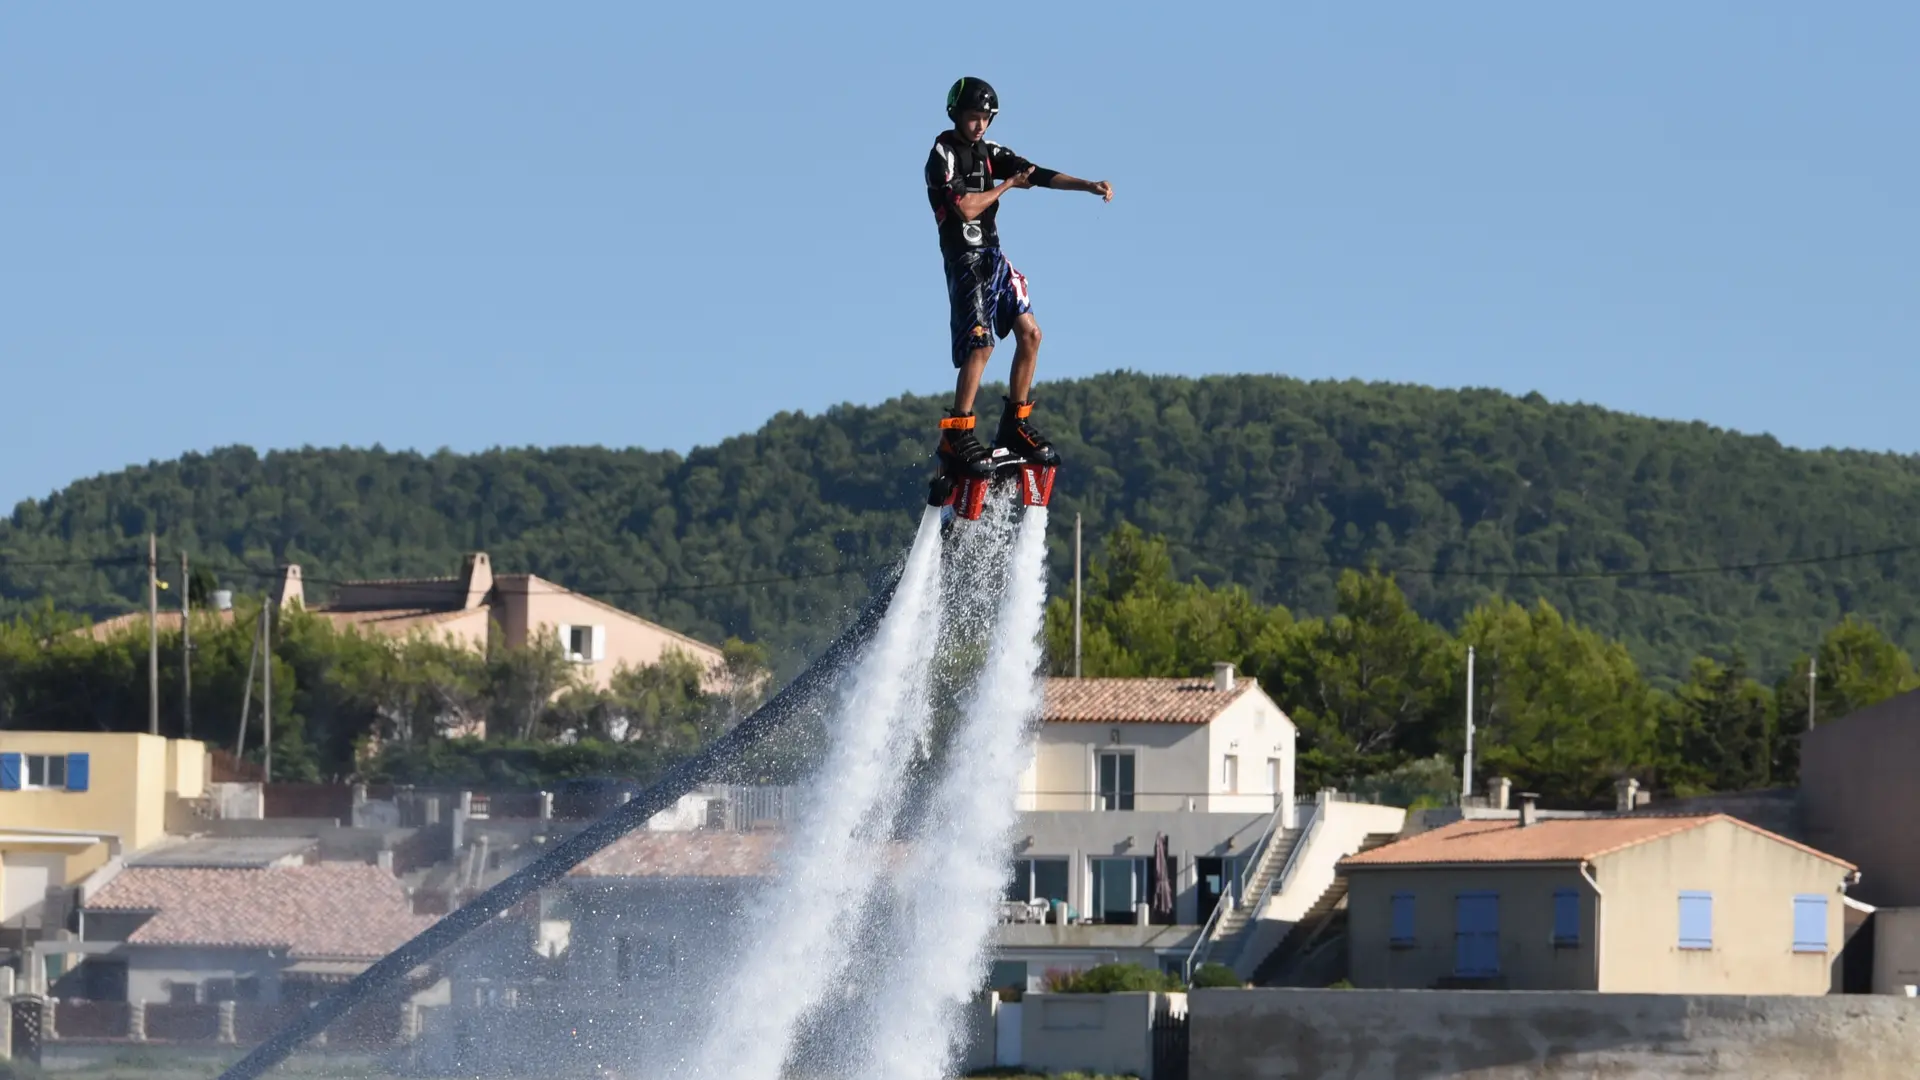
column 1063, row 182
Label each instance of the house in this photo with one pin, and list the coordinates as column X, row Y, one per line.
column 1188, row 780
column 1212, row 745
column 1858, row 799
column 1694, row 904
column 476, row 608
column 72, row 801
column 284, row 933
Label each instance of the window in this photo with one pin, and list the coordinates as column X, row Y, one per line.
column 584, row 644
column 1810, row 924
column 1476, row 934
column 1038, row 879
column 1116, row 781
column 1402, row 935
column 1696, row 920
column 1566, row 917
column 1230, row 773
column 46, row 771
column 43, row 772
column 623, row 958
column 1118, row 884
column 1273, row 778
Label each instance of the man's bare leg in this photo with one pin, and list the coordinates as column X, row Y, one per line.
column 1026, row 357
column 967, row 385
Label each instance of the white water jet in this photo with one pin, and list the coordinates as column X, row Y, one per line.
column 793, row 947
column 958, row 869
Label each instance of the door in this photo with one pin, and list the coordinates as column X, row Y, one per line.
column 1476, row 935
column 27, row 879
column 1212, row 873
column 1006, row 1036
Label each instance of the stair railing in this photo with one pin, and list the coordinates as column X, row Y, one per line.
column 1236, row 891
column 1279, row 883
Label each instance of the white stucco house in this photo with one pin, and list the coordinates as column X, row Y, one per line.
column 1205, row 745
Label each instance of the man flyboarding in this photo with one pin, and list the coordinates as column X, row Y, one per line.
column 986, row 296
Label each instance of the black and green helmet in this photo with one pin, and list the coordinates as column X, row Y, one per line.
column 971, row 93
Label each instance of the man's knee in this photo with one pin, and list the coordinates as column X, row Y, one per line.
column 1027, row 333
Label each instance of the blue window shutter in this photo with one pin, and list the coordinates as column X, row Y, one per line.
column 1402, row 919
column 1696, row 920
column 77, row 772
column 1566, row 917
column 11, row 766
column 1810, row 924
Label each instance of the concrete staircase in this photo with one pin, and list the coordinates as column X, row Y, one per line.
column 1309, row 928
column 1236, row 926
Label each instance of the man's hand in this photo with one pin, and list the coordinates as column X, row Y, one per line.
column 972, row 206
column 1063, row 182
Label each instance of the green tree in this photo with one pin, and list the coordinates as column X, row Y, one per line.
column 1558, row 708
column 1858, row 666
column 522, row 683
column 1365, row 687
column 1718, row 732
column 1138, row 621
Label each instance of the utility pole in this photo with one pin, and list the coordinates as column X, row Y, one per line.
column 1813, row 689
column 1466, row 763
column 246, row 699
column 153, row 634
column 1076, row 595
column 266, row 690
column 186, row 651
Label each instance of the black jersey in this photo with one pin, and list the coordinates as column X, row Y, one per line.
column 956, row 168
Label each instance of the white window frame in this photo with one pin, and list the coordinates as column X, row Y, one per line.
column 46, row 768
column 1098, row 801
column 595, row 642
column 1230, row 773
column 1138, row 873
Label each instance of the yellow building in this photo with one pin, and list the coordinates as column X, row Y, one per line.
column 1700, row 904
column 70, row 801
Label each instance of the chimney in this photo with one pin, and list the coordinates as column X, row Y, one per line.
column 476, row 580
column 222, row 599
column 1529, row 813
column 1626, row 795
column 290, row 591
column 1500, row 792
column 1223, row 677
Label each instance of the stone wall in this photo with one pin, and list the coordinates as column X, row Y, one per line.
column 1408, row 1034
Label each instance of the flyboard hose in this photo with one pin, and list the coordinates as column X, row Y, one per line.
column 797, row 696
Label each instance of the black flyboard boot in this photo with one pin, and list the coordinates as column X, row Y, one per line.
column 962, row 458
column 1020, row 438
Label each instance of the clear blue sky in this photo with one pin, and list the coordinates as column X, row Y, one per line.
column 476, row 224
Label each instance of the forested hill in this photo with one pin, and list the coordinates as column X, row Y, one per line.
column 1269, row 482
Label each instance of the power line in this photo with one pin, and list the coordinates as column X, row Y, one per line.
column 1675, row 571
column 440, row 587
column 98, row 560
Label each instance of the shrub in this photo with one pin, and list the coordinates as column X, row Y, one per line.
column 1215, row 977
column 1112, row 979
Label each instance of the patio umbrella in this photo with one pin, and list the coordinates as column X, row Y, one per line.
column 1163, row 887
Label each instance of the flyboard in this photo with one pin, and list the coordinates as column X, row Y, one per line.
column 965, row 497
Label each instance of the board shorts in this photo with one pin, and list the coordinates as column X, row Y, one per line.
column 985, row 294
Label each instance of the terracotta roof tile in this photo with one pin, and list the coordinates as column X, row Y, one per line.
column 322, row 911
column 168, row 622
column 394, row 620
column 699, row 853
column 1549, row 840
column 1138, row 701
